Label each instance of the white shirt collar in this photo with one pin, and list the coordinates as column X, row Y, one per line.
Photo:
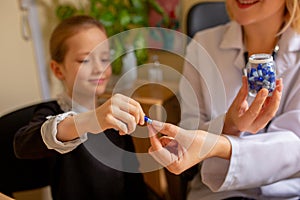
column 67, row 104
column 232, row 38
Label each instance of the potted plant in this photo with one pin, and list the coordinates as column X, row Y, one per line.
column 118, row 16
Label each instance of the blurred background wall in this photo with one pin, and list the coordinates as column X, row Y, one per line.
column 19, row 79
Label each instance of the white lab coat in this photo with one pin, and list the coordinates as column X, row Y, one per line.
column 262, row 166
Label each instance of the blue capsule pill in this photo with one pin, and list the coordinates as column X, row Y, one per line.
column 260, row 79
column 272, row 79
column 255, row 74
column 264, row 71
column 252, row 71
column 252, row 86
column 265, row 82
column 148, row 120
column 251, row 79
column 259, row 67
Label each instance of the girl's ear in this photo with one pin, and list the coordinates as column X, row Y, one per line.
column 56, row 69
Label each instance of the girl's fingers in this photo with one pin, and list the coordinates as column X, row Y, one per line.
column 128, row 111
column 131, row 106
column 125, row 118
column 118, row 125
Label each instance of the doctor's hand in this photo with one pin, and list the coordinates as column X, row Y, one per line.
column 240, row 117
column 181, row 149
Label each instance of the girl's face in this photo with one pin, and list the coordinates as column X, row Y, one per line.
column 247, row 12
column 86, row 68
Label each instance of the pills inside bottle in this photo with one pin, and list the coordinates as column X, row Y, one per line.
column 261, row 73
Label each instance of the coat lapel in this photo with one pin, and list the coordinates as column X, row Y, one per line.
column 232, row 39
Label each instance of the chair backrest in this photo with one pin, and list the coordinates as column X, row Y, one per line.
column 19, row 174
column 204, row 15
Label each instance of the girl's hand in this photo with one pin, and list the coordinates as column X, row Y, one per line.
column 121, row 113
column 240, row 117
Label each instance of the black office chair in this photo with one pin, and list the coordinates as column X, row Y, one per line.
column 18, row 174
column 205, row 15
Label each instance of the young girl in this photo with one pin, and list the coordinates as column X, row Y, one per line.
column 241, row 165
column 59, row 128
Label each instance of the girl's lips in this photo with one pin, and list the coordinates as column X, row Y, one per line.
column 98, row 81
column 246, row 3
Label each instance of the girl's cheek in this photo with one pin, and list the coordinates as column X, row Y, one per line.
column 108, row 71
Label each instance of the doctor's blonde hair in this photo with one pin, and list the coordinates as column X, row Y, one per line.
column 293, row 15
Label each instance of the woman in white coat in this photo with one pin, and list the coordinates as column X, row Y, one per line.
column 238, row 164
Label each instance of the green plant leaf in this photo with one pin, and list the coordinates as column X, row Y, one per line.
column 107, row 19
column 124, row 18
column 118, row 49
column 104, row 2
column 138, row 4
column 138, row 19
column 141, row 51
column 156, row 6
column 65, row 11
column 141, row 56
column 117, row 66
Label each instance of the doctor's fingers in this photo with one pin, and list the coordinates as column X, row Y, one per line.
column 239, row 105
column 164, row 142
column 184, row 137
column 275, row 99
column 168, row 153
column 154, row 140
column 239, row 101
column 166, row 128
column 253, row 111
column 163, row 156
column 242, row 94
column 156, row 150
column 269, row 109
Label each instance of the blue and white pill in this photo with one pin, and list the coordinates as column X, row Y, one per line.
column 148, row 120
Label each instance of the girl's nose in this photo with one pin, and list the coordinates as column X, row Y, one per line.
column 98, row 67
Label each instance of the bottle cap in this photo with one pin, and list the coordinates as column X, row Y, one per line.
column 260, row 58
